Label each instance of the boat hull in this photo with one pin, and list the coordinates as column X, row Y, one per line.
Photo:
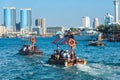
column 96, row 43
column 30, row 53
column 66, row 63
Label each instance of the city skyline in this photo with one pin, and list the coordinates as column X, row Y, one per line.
column 62, row 13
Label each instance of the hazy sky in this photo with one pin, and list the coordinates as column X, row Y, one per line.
column 61, row 12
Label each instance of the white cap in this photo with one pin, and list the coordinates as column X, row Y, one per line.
column 66, row 50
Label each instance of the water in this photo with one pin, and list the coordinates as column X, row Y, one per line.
column 103, row 63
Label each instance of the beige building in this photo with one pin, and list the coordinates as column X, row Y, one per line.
column 96, row 23
column 2, row 30
column 41, row 22
column 43, row 25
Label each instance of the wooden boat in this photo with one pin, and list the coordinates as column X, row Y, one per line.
column 67, row 63
column 63, row 61
column 30, row 49
column 29, row 53
column 98, row 42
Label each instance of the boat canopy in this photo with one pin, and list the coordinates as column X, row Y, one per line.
column 61, row 41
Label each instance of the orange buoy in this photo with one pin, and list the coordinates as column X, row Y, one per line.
column 72, row 42
column 32, row 39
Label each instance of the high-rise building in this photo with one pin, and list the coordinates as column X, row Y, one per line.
column 10, row 18
column 26, row 19
column 41, row 22
column 38, row 22
column 116, row 2
column 95, row 23
column 109, row 19
column 17, row 27
column 86, row 22
column 43, row 25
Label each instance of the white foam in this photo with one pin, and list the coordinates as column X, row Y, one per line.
column 44, row 64
column 30, row 73
column 101, row 70
column 47, row 65
column 87, row 69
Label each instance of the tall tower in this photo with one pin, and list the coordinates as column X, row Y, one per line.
column 41, row 22
column 38, row 22
column 43, row 25
column 116, row 11
column 26, row 19
column 10, row 18
column 95, row 23
column 86, row 22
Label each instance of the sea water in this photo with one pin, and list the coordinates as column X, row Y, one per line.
column 103, row 63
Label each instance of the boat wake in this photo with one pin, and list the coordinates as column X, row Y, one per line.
column 87, row 69
column 100, row 70
column 47, row 65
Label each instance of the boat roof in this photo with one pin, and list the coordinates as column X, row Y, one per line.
column 61, row 41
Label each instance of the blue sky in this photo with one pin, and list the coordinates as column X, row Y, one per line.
column 61, row 12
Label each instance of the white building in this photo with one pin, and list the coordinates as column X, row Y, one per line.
column 116, row 2
column 53, row 30
column 109, row 19
column 95, row 23
column 38, row 30
column 43, row 25
column 86, row 22
column 2, row 30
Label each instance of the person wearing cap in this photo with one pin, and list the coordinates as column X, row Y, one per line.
column 64, row 55
column 67, row 55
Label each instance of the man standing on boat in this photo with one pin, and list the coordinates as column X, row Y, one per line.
column 33, row 40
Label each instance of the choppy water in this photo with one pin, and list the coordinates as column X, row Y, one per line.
column 103, row 63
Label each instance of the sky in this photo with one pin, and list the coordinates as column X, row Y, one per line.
column 61, row 12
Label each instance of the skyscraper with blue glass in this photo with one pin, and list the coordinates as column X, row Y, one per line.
column 109, row 19
column 26, row 19
column 10, row 18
